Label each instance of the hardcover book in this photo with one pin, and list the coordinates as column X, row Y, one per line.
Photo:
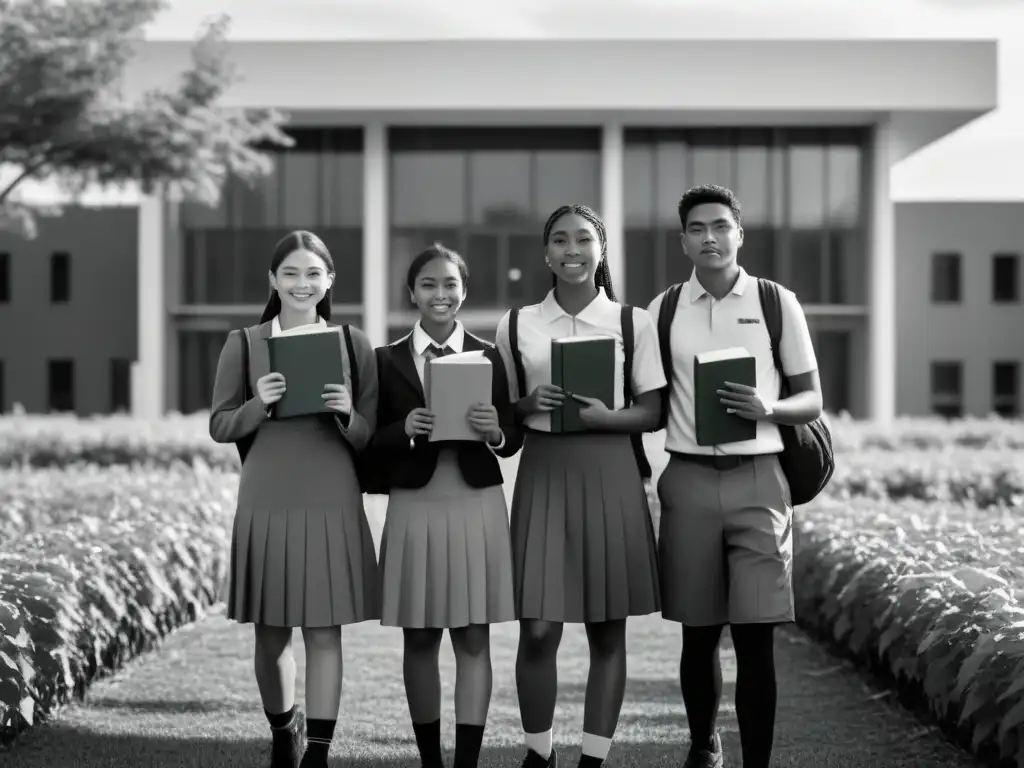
column 452, row 384
column 581, row 365
column 309, row 357
column 713, row 423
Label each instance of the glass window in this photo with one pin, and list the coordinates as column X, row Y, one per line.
column 343, row 189
column 528, row 276
column 1006, row 388
column 758, row 252
column 500, row 188
column 844, row 186
column 61, row 386
column 946, row 278
column 753, row 186
column 5, row 277
column 60, row 277
column 712, row 165
column 642, row 273
column 483, row 257
column 120, row 386
column 564, row 177
column 1005, row 278
column 638, row 185
column 807, row 187
column 3, row 391
column 832, row 349
column 258, row 204
column 672, row 181
column 428, row 189
column 947, row 389
column 807, row 265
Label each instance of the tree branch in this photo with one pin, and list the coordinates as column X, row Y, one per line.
column 28, row 171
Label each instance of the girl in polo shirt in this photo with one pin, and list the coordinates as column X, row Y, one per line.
column 445, row 560
column 582, row 540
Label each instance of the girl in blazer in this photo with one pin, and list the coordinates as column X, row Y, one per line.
column 582, row 539
column 445, row 558
column 301, row 550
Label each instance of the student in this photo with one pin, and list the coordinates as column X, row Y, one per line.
column 725, row 543
column 445, row 558
column 301, row 550
column 582, row 539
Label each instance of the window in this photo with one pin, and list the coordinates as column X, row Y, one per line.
column 120, row 386
column 948, row 389
column 61, row 385
column 946, row 287
column 5, row 278
column 1006, row 388
column 1005, row 278
column 3, row 393
column 60, row 278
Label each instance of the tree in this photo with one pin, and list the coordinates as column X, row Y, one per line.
column 62, row 117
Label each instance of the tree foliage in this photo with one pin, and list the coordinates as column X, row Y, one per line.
column 62, row 115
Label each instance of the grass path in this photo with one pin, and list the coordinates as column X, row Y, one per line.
column 193, row 702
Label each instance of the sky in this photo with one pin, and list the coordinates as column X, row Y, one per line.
column 982, row 161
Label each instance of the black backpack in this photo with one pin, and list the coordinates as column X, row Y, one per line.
column 807, row 457
column 369, row 482
column 628, row 341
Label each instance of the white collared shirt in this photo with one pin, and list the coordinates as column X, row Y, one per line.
column 540, row 323
column 315, row 326
column 704, row 324
column 421, row 342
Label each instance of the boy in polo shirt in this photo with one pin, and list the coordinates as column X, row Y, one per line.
column 726, row 521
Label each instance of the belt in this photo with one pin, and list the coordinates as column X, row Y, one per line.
column 719, row 462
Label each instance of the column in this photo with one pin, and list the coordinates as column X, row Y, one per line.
column 612, row 206
column 148, row 375
column 882, row 281
column 375, row 233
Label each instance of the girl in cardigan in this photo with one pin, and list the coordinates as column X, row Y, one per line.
column 445, row 559
column 582, row 539
column 301, row 550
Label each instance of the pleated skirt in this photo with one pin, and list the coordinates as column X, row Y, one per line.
column 583, row 544
column 301, row 548
column 445, row 556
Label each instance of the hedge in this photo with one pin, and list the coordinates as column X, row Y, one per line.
column 119, row 571
column 928, row 595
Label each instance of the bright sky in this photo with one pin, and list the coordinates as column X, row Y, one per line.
column 982, row 161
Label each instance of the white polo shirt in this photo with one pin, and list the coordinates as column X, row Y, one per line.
column 540, row 323
column 704, row 324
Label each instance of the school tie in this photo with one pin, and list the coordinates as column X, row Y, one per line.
column 435, row 351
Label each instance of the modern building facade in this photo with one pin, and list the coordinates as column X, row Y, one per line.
column 475, row 145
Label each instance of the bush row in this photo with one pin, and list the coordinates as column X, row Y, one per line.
column 928, row 595
column 120, row 571
column 42, row 441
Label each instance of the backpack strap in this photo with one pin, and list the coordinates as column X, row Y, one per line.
column 353, row 365
column 246, row 387
column 666, row 314
column 771, row 308
column 513, row 343
column 628, row 341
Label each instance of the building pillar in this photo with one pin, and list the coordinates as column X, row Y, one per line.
column 375, row 233
column 612, row 203
column 149, row 372
column 882, row 280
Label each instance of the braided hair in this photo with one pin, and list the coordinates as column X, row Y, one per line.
column 602, row 277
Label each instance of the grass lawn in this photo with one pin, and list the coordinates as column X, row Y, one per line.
column 194, row 702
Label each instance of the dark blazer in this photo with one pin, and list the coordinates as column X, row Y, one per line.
column 400, row 391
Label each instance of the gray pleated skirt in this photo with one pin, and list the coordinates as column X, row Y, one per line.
column 301, row 549
column 445, row 557
column 583, row 544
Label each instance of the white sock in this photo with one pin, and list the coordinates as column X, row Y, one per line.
column 596, row 746
column 540, row 743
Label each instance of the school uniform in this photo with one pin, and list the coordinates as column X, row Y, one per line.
column 726, row 548
column 301, row 549
column 445, row 558
column 582, row 539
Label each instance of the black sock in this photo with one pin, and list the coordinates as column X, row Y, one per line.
column 468, row 739
column 280, row 720
column 700, row 672
column 589, row 761
column 319, row 735
column 428, row 741
column 756, row 692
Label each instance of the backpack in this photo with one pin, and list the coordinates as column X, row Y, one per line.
column 368, row 480
column 626, row 318
column 807, row 457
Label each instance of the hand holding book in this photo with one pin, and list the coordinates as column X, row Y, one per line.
column 338, row 397
column 744, row 401
column 483, row 418
column 592, row 410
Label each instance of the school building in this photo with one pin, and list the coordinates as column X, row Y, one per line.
column 914, row 308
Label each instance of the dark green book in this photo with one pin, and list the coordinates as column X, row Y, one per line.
column 714, row 425
column 308, row 361
column 581, row 365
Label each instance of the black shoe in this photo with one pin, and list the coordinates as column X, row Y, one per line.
column 706, row 758
column 310, row 762
column 533, row 760
column 289, row 744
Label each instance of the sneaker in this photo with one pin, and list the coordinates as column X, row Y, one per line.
column 706, row 758
column 289, row 744
column 533, row 760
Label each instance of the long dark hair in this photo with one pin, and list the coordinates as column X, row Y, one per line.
column 436, row 251
column 602, row 277
column 300, row 240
